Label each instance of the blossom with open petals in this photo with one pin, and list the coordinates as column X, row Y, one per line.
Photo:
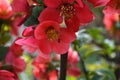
column 68, row 10
column 52, row 38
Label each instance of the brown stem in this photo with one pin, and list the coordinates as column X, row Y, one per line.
column 63, row 66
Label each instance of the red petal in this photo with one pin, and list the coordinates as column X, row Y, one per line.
column 53, row 3
column 67, row 36
column 53, row 75
column 28, row 31
column 44, row 46
column 60, row 47
column 68, row 1
column 80, row 2
column 50, row 14
column 6, row 73
column 29, row 44
column 73, row 23
column 84, row 14
column 20, row 5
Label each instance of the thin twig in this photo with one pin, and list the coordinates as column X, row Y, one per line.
column 83, row 67
column 82, row 63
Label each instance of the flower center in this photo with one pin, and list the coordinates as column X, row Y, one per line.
column 52, row 34
column 67, row 11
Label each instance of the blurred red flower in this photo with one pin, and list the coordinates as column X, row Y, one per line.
column 5, row 9
column 112, row 24
column 112, row 7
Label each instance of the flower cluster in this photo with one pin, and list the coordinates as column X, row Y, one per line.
column 58, row 22
column 50, row 29
column 13, row 63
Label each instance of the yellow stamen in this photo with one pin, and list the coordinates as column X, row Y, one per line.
column 67, row 11
column 52, row 34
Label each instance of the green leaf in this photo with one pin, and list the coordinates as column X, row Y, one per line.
column 96, row 34
column 3, row 52
column 82, row 77
column 40, row 1
column 4, row 37
column 97, row 77
column 37, row 10
column 31, row 21
column 71, row 78
column 106, row 73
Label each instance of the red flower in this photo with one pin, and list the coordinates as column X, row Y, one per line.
column 5, row 9
column 52, row 38
column 112, row 6
column 72, row 13
column 6, row 75
column 97, row 3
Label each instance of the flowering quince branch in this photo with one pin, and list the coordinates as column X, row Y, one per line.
column 45, row 34
column 63, row 66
